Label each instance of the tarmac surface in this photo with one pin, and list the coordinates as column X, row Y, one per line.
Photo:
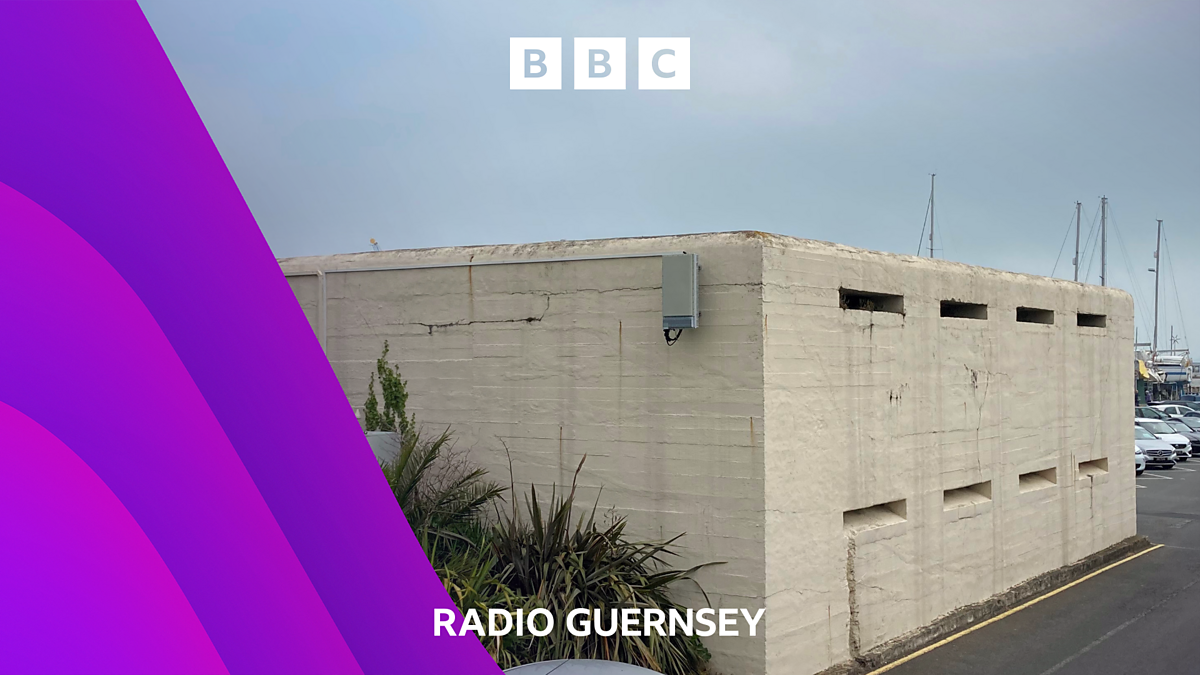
column 1141, row 616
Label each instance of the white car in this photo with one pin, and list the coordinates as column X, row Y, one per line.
column 1139, row 459
column 1164, row 432
column 1175, row 410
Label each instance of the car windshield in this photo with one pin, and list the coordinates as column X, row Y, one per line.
column 1156, row 427
column 1192, row 422
column 1142, row 435
column 1180, row 427
column 1149, row 412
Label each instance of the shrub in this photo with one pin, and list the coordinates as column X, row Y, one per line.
column 560, row 563
column 536, row 559
column 442, row 497
column 394, row 415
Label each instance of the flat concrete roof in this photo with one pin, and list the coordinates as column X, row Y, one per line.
column 566, row 248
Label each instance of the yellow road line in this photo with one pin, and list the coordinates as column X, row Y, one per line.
column 1010, row 612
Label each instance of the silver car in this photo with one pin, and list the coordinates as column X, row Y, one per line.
column 1139, row 459
column 1158, row 453
column 1164, row 432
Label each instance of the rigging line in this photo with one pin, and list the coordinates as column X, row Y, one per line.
column 925, row 222
column 1135, row 287
column 1138, row 296
column 1083, row 252
column 941, row 243
column 1092, row 220
column 1178, row 308
column 1093, row 240
column 1095, row 231
column 1064, row 244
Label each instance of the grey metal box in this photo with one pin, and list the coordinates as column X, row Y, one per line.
column 680, row 290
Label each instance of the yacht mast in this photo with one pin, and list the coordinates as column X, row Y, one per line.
column 1104, row 241
column 1078, row 205
column 1157, row 267
column 931, row 177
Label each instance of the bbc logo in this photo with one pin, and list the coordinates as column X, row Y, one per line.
column 536, row 63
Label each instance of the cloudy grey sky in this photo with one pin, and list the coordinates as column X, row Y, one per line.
column 343, row 121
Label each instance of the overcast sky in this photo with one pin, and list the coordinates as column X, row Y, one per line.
column 351, row 120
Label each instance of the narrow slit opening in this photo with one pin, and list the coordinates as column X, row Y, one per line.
column 1035, row 315
column 1093, row 468
column 963, row 310
column 866, row 301
column 1037, row 480
column 1092, row 320
column 978, row 493
column 871, row 517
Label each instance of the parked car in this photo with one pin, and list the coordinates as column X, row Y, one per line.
column 1150, row 413
column 1164, row 432
column 1184, row 429
column 1158, row 453
column 1191, row 404
column 1139, row 459
column 1176, row 410
column 1192, row 422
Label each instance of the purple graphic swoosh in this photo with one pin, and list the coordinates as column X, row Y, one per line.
column 90, row 364
column 113, row 599
column 156, row 338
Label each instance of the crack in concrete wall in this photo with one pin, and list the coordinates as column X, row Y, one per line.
column 528, row 319
column 852, row 632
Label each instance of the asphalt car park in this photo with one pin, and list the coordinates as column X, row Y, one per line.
column 1135, row 617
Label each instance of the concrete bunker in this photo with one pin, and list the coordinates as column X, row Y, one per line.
column 861, row 462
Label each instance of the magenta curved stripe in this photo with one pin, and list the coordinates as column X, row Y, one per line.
column 88, row 360
column 113, row 602
column 231, row 394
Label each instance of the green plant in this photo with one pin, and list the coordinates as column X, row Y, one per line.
column 561, row 563
column 536, row 559
column 442, row 496
column 394, row 416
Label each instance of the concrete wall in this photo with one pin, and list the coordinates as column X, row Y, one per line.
column 758, row 432
column 867, row 408
column 560, row 360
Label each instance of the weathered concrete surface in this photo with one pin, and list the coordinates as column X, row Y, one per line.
column 756, row 433
column 972, row 614
column 906, row 406
column 559, row 360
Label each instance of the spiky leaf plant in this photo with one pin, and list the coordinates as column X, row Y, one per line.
column 443, row 497
column 548, row 558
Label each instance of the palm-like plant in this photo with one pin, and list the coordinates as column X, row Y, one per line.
column 442, row 499
column 551, row 560
column 561, row 563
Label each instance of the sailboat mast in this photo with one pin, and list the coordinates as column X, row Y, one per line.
column 1078, row 205
column 931, row 177
column 1104, row 241
column 1157, row 267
